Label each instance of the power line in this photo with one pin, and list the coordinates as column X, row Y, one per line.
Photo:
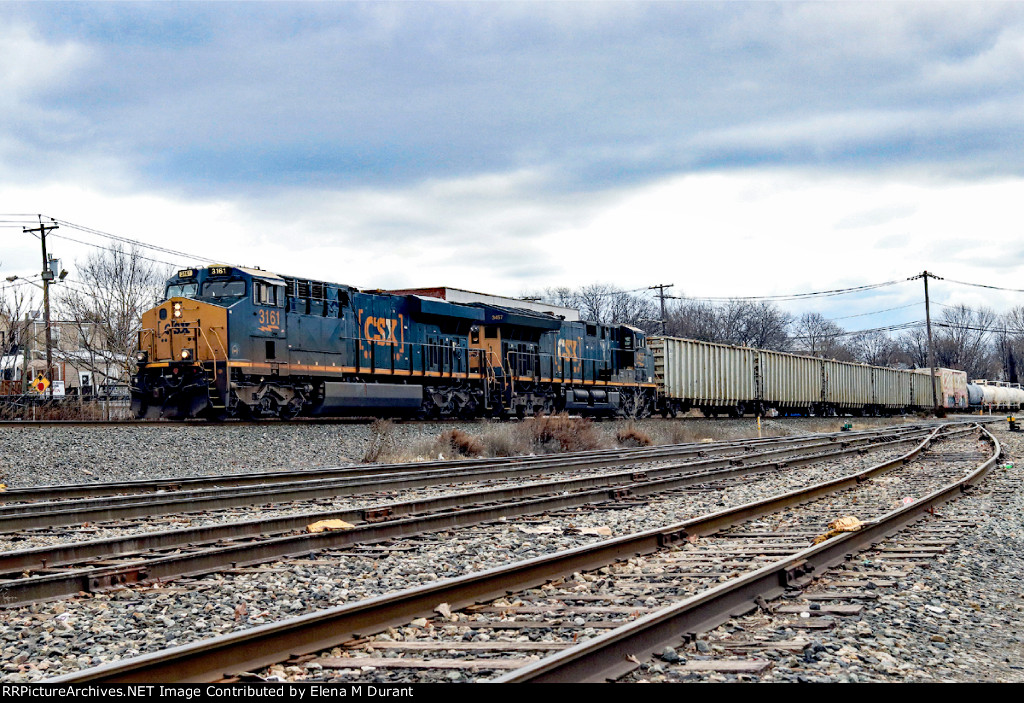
column 982, row 285
column 127, row 240
column 112, row 249
column 798, row 296
column 898, row 327
column 873, row 312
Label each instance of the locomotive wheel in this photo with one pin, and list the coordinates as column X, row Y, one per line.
column 290, row 410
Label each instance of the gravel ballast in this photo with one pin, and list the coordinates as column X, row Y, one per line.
column 46, row 639
column 956, row 617
column 38, row 456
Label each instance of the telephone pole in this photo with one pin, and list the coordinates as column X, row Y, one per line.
column 42, row 230
column 931, row 356
column 661, row 294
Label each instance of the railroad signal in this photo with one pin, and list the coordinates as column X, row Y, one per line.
column 40, row 383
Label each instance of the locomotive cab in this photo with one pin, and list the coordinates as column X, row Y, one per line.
column 183, row 345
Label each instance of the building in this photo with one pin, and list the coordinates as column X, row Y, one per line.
column 82, row 363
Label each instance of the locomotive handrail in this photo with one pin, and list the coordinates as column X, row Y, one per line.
column 220, row 341
column 146, row 330
column 213, row 352
column 447, row 356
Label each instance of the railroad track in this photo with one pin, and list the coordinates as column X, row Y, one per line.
column 64, row 570
column 19, row 512
column 574, row 611
column 564, row 461
column 169, row 424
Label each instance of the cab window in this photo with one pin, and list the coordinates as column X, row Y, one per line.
column 182, row 290
column 224, row 289
column 264, row 293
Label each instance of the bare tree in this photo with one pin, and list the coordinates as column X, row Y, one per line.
column 818, row 336
column 106, row 304
column 963, row 340
column 914, row 347
column 692, row 319
column 766, row 326
column 738, row 322
column 607, row 304
column 1011, row 343
column 563, row 296
column 634, row 310
column 15, row 325
column 877, row 349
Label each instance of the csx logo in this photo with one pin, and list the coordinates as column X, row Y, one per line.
column 568, row 348
column 176, row 328
column 381, row 329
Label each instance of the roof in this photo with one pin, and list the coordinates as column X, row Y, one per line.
column 460, row 295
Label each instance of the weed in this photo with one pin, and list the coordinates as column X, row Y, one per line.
column 382, row 442
column 631, row 436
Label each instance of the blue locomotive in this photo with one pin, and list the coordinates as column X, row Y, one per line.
column 240, row 342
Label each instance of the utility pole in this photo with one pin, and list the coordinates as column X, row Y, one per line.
column 42, row 230
column 661, row 294
column 931, row 356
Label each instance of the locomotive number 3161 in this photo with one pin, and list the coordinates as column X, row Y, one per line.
column 270, row 317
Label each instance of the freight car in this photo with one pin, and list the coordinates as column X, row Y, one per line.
column 723, row 379
column 952, row 387
column 994, row 395
column 239, row 342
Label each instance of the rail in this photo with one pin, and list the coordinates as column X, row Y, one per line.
column 213, row 659
column 605, row 657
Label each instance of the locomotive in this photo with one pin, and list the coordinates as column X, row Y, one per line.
column 239, row 342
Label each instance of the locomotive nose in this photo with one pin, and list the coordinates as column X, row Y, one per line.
column 183, row 330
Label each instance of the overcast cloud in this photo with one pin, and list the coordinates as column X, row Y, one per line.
column 731, row 148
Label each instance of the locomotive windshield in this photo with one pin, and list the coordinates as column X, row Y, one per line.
column 182, row 290
column 219, row 290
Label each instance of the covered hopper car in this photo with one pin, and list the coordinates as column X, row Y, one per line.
column 729, row 380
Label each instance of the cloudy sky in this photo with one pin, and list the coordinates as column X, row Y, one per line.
column 730, row 148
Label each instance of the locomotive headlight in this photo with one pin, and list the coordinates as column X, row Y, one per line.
column 186, row 354
column 177, row 309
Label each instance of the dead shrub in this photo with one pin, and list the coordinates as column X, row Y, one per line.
column 562, row 433
column 507, row 440
column 458, row 443
column 382, row 442
column 631, row 436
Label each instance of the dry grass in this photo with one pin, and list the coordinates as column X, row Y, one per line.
column 631, row 436
column 67, row 410
column 460, row 444
column 544, row 435
column 382, row 442
column 506, row 439
column 561, row 433
column 689, row 433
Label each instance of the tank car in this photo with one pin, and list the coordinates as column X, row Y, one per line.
column 994, row 395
